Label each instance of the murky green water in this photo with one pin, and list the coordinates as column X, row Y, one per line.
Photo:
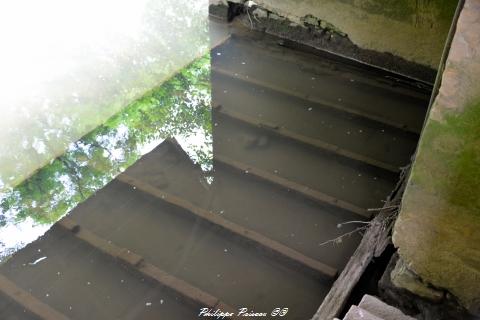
column 174, row 206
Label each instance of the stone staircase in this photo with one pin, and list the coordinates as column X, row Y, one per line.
column 371, row 308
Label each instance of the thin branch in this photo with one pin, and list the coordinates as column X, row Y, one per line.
column 340, row 238
column 350, row 222
column 381, row 209
column 251, row 23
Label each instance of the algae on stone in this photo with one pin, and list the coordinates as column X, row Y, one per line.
column 437, row 232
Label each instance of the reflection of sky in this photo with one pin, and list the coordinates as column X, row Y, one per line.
column 198, row 142
column 56, row 33
column 68, row 66
column 15, row 236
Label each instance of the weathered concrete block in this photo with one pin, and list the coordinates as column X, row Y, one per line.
column 382, row 310
column 357, row 313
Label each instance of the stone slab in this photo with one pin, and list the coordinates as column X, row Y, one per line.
column 382, row 310
column 357, row 313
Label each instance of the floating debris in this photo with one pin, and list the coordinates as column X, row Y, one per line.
column 37, row 261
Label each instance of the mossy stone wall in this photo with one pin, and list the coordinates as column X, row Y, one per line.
column 438, row 230
column 412, row 29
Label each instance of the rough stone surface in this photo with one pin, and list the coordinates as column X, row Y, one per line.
column 412, row 29
column 382, row 310
column 402, row 277
column 415, row 306
column 276, row 17
column 260, row 13
column 356, row 313
column 437, row 231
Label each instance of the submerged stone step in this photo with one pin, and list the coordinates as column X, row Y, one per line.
column 195, row 251
column 242, row 60
column 349, row 132
column 280, row 131
column 358, row 184
column 258, row 240
column 69, row 276
column 300, row 224
column 25, row 304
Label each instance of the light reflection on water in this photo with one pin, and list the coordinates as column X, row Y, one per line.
column 69, row 66
column 179, row 108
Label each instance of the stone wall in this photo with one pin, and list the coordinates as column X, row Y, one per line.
column 412, row 29
column 438, row 230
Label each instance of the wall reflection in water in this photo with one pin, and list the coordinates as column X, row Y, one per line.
column 179, row 108
column 67, row 67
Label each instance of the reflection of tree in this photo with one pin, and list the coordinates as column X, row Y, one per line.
column 181, row 106
column 103, row 78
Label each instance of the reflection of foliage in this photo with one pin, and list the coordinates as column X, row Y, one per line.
column 97, row 82
column 180, row 107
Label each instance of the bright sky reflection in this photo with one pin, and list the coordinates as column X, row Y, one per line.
column 67, row 66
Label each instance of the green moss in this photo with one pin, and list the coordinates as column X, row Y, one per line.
column 446, row 9
column 438, row 12
column 448, row 162
column 411, row 10
column 394, row 9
